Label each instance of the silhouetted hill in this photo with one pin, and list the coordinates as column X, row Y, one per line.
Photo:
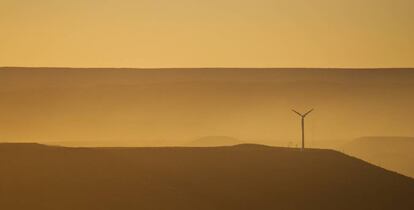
column 213, row 141
column 235, row 177
column 393, row 153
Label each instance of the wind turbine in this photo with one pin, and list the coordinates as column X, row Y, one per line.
column 303, row 125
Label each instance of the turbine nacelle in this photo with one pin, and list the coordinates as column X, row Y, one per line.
column 302, row 115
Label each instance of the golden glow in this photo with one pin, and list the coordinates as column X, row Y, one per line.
column 201, row 33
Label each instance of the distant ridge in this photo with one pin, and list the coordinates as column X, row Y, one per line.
column 386, row 138
column 203, row 68
column 391, row 152
column 210, row 141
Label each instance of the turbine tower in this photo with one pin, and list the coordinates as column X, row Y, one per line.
column 303, row 125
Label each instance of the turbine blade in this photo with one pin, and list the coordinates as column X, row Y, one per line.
column 297, row 112
column 308, row 113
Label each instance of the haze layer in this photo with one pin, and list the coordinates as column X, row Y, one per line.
column 126, row 107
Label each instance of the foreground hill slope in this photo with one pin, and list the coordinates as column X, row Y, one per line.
column 38, row 177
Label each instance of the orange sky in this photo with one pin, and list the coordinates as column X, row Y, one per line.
column 207, row 33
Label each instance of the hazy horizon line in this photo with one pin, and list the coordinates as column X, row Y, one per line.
column 190, row 68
